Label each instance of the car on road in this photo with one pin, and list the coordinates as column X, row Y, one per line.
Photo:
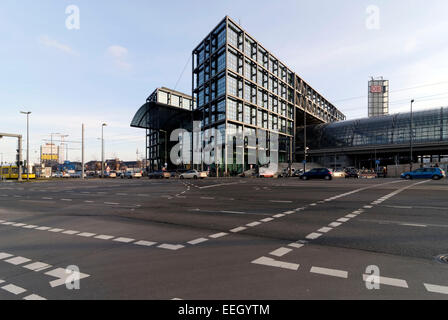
column 318, row 173
column 193, row 174
column 132, row 175
column 351, row 173
column 159, row 175
column 338, row 173
column 424, row 173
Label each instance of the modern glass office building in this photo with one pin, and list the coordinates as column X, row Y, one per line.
column 242, row 87
column 387, row 139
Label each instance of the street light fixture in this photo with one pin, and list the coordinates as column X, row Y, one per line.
column 102, row 149
column 27, row 143
column 411, row 135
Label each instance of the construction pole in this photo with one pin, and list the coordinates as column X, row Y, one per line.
column 82, row 154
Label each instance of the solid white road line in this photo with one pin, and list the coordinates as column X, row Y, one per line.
column 414, row 225
column 13, row 289
column 280, row 252
column 218, row 235
column 17, row 260
column 197, row 241
column 386, row 281
column 436, row 289
column 274, row 263
column 330, row 272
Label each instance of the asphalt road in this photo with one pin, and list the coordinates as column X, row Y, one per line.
column 224, row 239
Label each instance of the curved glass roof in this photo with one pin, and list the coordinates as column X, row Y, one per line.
column 429, row 126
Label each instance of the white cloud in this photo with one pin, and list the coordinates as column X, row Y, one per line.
column 119, row 56
column 51, row 43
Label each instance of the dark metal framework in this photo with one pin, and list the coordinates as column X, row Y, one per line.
column 165, row 110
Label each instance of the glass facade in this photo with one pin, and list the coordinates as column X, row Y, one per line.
column 429, row 127
column 241, row 86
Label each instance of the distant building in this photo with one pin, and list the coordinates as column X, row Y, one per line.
column 378, row 97
column 49, row 154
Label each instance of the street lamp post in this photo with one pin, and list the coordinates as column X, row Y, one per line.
column 411, row 135
column 102, row 149
column 27, row 143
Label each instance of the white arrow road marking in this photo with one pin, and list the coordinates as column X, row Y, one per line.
column 62, row 276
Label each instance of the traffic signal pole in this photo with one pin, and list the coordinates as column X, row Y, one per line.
column 19, row 151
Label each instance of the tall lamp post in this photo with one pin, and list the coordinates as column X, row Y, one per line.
column 27, row 143
column 102, row 149
column 411, row 135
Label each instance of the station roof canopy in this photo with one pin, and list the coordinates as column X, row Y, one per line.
column 159, row 116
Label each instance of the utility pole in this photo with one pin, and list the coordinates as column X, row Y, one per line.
column 51, row 146
column 102, row 149
column 82, row 154
column 27, row 143
column 305, row 148
column 411, row 135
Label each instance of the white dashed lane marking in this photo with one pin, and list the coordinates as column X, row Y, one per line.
column 197, row 241
column 436, row 289
column 14, row 289
column 274, row 263
column 330, row 272
column 386, row 281
column 280, row 252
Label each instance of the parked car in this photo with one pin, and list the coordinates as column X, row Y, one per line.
column 351, row 173
column 298, row 173
column 193, row 174
column 112, row 174
column 338, row 173
column 318, row 173
column 132, row 175
column 425, row 173
column 159, row 175
column 266, row 173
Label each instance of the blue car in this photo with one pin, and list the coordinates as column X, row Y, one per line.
column 424, row 173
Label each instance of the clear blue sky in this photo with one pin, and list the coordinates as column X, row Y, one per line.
column 104, row 71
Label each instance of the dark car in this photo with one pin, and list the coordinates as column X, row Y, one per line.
column 318, row 173
column 159, row 175
column 351, row 173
